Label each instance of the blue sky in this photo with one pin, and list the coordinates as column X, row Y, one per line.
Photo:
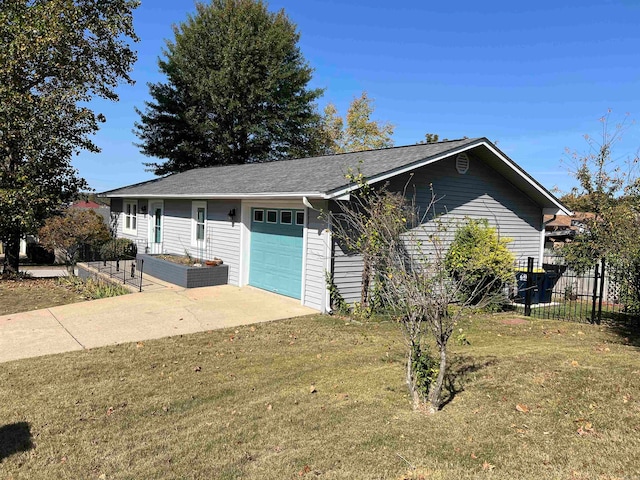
column 533, row 77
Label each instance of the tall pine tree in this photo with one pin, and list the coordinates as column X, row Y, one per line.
column 236, row 91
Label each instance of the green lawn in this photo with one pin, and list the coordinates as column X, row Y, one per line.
column 239, row 404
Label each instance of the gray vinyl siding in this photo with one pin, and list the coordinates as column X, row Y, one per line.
column 316, row 258
column 223, row 235
column 346, row 268
column 480, row 193
column 176, row 234
column 347, row 274
column 117, row 214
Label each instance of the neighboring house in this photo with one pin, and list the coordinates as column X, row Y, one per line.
column 561, row 229
column 263, row 219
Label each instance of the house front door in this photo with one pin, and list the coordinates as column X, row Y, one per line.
column 155, row 227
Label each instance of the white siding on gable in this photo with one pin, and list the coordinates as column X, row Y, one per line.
column 315, row 290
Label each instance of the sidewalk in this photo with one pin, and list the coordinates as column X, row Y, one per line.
column 136, row 317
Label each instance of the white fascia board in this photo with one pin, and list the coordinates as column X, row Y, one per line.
column 555, row 211
column 226, row 196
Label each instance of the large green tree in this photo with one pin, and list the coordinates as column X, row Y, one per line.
column 609, row 187
column 236, row 91
column 55, row 56
column 358, row 131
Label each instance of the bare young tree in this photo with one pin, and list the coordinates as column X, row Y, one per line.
column 406, row 251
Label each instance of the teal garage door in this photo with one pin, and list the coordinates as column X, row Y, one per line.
column 276, row 250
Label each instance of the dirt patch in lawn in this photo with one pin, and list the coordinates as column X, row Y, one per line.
column 513, row 321
column 22, row 295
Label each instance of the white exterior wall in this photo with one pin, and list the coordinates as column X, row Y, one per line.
column 317, row 259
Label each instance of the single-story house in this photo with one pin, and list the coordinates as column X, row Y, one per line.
column 263, row 219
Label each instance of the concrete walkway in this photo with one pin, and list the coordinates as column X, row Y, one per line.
column 139, row 316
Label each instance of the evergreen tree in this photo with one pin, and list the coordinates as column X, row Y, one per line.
column 236, row 91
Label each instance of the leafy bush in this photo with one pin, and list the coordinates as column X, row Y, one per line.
column 479, row 257
column 71, row 231
column 118, row 248
column 94, row 289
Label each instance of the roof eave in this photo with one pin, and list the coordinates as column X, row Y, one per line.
column 553, row 203
column 217, row 196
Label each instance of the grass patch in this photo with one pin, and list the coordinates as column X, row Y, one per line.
column 537, row 399
column 24, row 294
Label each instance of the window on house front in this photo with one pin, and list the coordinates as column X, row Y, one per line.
column 130, row 208
column 272, row 216
column 258, row 216
column 299, row 218
column 198, row 218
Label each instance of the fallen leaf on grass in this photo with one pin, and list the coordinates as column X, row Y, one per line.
column 109, row 411
column 312, row 389
column 197, row 368
column 521, row 407
column 586, row 429
column 269, row 407
column 473, row 455
column 487, row 466
column 306, row 469
column 574, row 363
column 139, row 345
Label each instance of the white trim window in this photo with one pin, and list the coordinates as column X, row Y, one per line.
column 130, row 210
column 198, row 222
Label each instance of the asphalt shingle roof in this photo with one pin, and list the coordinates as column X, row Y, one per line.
column 313, row 175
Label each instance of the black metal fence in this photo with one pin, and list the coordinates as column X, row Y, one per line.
column 557, row 291
column 116, row 261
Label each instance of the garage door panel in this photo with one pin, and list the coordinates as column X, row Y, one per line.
column 276, row 255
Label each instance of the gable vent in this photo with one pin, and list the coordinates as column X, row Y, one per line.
column 462, row 163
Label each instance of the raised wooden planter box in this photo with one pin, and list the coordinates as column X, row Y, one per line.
column 182, row 275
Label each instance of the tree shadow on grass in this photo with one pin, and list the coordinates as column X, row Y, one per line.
column 627, row 327
column 458, row 376
column 14, row 438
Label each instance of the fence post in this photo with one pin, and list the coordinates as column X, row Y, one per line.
column 602, row 280
column 141, row 268
column 594, row 297
column 528, row 292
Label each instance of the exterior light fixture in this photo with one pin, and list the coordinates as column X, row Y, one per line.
column 232, row 214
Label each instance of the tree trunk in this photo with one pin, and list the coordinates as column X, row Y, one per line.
column 435, row 392
column 11, row 263
column 364, row 287
column 416, row 398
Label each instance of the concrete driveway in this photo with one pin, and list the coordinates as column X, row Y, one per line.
column 139, row 316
